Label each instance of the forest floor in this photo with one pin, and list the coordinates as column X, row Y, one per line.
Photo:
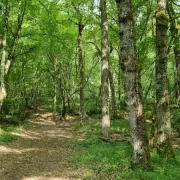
column 49, row 149
column 41, row 152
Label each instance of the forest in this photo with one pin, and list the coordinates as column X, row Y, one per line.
column 89, row 89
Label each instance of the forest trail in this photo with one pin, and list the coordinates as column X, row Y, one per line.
column 40, row 152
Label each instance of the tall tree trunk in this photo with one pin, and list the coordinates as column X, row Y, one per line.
column 104, row 71
column 111, row 82
column 4, row 53
column 6, row 65
column 81, row 68
column 132, row 85
column 164, row 146
column 176, row 47
column 62, row 92
column 21, row 13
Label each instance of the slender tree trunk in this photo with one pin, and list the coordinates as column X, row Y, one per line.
column 3, row 93
column 62, row 92
column 176, row 47
column 68, row 104
column 81, row 68
column 164, row 146
column 55, row 85
column 119, row 83
column 21, row 13
column 63, row 99
column 6, row 65
column 111, row 82
column 104, row 71
column 55, row 100
column 132, row 85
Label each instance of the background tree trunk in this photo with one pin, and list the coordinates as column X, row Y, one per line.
column 176, row 46
column 3, row 93
column 6, row 65
column 55, row 85
column 81, row 68
column 164, row 146
column 20, row 18
column 104, row 71
column 132, row 85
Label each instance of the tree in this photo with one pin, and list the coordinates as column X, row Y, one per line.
column 79, row 7
column 81, row 67
column 7, row 62
column 164, row 146
column 104, row 71
column 176, row 45
column 132, row 84
column 3, row 93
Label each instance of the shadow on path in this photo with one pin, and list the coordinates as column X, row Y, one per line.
column 40, row 152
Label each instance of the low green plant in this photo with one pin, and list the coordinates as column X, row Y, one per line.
column 6, row 135
column 111, row 159
column 7, row 132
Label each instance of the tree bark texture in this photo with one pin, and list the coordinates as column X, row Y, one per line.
column 132, row 85
column 104, row 71
column 7, row 64
column 176, row 48
column 164, row 147
column 3, row 93
column 20, row 18
column 81, row 68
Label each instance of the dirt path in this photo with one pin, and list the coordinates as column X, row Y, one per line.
column 40, row 152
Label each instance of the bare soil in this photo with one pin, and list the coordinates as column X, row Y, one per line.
column 41, row 152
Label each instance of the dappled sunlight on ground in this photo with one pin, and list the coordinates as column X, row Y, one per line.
column 27, row 134
column 40, row 152
column 4, row 149
column 43, row 119
column 69, row 118
column 81, row 139
column 42, row 122
column 57, row 133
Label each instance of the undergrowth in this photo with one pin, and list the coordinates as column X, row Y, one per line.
column 98, row 159
column 7, row 133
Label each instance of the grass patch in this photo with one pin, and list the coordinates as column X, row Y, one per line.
column 7, row 132
column 6, row 135
column 96, row 159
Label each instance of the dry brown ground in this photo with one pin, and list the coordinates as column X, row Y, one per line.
column 41, row 152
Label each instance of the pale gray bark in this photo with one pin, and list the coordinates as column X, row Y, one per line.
column 132, row 84
column 111, row 81
column 104, row 71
